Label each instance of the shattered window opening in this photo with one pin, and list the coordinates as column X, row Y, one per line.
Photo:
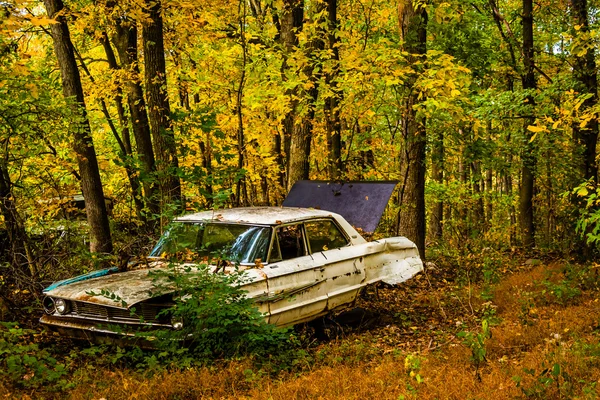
column 291, row 241
column 324, row 235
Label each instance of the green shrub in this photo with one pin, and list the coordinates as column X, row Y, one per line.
column 476, row 343
column 563, row 291
column 219, row 321
column 24, row 364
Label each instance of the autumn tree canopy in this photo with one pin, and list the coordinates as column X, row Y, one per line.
column 485, row 112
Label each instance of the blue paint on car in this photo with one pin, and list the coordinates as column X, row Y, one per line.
column 84, row 277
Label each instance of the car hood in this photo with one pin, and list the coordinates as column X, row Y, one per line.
column 111, row 288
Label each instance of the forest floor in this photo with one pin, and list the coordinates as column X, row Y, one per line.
column 527, row 329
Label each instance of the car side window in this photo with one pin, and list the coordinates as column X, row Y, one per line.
column 324, row 235
column 291, row 242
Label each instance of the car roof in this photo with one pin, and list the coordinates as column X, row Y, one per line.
column 259, row 215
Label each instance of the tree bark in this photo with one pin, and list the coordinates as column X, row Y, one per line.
column 489, row 190
column 125, row 40
column 239, row 103
column 124, row 140
column 91, row 185
column 411, row 217
column 332, row 102
column 478, row 189
column 300, row 143
column 290, row 24
column 158, row 106
column 528, row 156
column 585, row 75
column 20, row 248
column 437, row 175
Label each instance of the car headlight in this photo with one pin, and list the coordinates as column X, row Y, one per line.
column 49, row 306
column 61, row 306
column 177, row 323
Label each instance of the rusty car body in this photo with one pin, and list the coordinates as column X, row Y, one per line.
column 300, row 264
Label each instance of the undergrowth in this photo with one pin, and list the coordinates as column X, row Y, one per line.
column 511, row 330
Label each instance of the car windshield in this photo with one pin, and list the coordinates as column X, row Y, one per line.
column 205, row 241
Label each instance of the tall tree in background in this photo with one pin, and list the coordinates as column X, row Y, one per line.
column 290, row 25
column 585, row 75
column 125, row 41
column 411, row 217
column 100, row 239
column 302, row 134
column 159, row 110
column 332, row 101
column 528, row 155
column 437, row 175
column 123, row 139
column 20, row 247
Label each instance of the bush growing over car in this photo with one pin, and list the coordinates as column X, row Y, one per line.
column 213, row 317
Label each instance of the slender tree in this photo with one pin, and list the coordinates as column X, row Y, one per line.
column 91, row 185
column 332, row 101
column 158, row 105
column 528, row 155
column 21, row 252
column 125, row 40
column 587, row 83
column 301, row 139
column 437, row 175
column 411, row 218
column 290, row 25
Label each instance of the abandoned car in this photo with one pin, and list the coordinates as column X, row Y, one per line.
column 300, row 264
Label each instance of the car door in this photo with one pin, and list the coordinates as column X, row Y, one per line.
column 343, row 271
column 312, row 270
column 293, row 278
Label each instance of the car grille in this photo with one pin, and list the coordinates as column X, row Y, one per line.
column 145, row 313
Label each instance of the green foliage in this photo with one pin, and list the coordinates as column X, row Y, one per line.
column 25, row 364
column 552, row 378
column 588, row 223
column 562, row 292
column 412, row 366
column 475, row 341
column 219, row 321
column 574, row 279
column 527, row 313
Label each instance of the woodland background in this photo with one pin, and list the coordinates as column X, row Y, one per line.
column 485, row 111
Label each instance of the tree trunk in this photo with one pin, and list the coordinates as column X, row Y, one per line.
column 411, row 217
column 437, row 175
column 158, row 106
column 291, row 24
column 489, row 190
column 585, row 75
column 332, row 103
column 20, row 249
column 299, row 158
column 279, row 153
column 126, row 152
column 125, row 41
column 206, row 150
column 299, row 154
column 91, row 185
column 479, row 213
column 241, row 147
column 528, row 156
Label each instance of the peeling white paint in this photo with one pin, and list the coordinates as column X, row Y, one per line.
column 287, row 292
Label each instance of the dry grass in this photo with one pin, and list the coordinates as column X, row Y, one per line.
column 550, row 348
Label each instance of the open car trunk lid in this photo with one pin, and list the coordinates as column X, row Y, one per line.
column 361, row 203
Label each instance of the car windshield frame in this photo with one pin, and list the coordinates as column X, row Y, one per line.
column 247, row 251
